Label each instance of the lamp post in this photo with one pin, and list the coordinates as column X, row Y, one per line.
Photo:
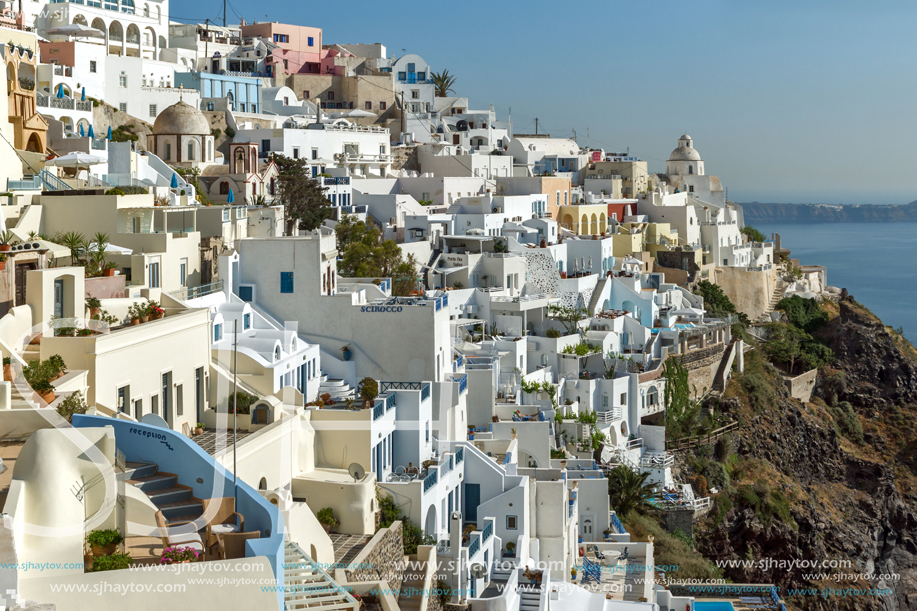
column 235, row 406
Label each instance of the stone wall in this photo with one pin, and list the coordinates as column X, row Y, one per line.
column 381, row 559
column 750, row 291
column 542, row 273
column 702, row 366
column 210, row 264
column 405, row 158
column 801, row 386
column 106, row 287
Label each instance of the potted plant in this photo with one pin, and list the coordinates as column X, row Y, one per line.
column 104, row 542
column 179, row 555
column 112, row 562
column 45, row 390
column 94, row 306
column 513, row 431
column 199, row 428
column 369, row 390
column 2, row 262
column 109, row 269
column 607, row 533
column 6, row 239
column 145, row 312
column 326, row 518
column 156, row 311
column 573, row 572
column 346, row 352
column 133, row 313
column 8, row 369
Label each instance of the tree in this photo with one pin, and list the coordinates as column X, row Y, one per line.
column 717, row 303
column 404, row 277
column 302, row 196
column 753, row 234
column 443, row 83
column 785, row 344
column 628, row 491
column 682, row 413
column 568, row 316
column 364, row 254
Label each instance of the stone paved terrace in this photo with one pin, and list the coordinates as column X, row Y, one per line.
column 348, row 547
column 616, row 579
column 212, row 440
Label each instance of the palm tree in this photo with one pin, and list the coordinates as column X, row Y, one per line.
column 628, row 491
column 443, row 83
column 75, row 241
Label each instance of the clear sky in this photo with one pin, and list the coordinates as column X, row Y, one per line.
column 787, row 101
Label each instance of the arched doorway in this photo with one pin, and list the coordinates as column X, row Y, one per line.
column 430, row 521
column 34, row 145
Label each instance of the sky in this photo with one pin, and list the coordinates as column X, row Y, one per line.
column 787, row 101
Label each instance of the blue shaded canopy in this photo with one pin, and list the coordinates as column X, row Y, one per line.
column 92, row 133
column 109, row 132
column 231, row 197
column 174, row 184
column 60, row 91
column 82, row 133
column 83, row 97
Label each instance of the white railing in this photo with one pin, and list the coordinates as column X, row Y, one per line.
column 357, row 128
column 360, row 158
column 657, row 460
column 521, row 298
column 607, row 417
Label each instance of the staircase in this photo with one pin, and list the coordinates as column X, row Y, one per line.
column 414, row 585
column 530, row 597
column 597, row 294
column 719, row 379
column 776, row 296
column 306, row 586
column 174, row 500
column 338, row 389
column 501, row 571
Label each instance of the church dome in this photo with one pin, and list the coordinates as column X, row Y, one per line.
column 181, row 119
column 684, row 153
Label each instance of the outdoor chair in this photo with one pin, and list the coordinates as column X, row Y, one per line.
column 223, row 521
column 190, row 539
column 598, row 553
column 232, row 545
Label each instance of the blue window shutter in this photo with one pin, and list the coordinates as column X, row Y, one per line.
column 245, row 293
column 286, row 282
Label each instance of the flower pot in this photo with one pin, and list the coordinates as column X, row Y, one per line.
column 47, row 396
column 5, row 247
column 2, row 265
column 198, row 431
column 93, row 312
column 108, row 272
column 347, row 354
column 104, row 550
column 135, row 322
column 157, row 315
column 327, row 527
column 145, row 318
column 8, row 373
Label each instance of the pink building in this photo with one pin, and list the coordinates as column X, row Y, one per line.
column 299, row 47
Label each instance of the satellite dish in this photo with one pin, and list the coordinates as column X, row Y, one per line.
column 357, row 472
column 478, row 571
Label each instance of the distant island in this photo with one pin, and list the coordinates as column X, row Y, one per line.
column 757, row 212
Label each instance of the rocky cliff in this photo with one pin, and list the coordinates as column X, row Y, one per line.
column 822, row 213
column 833, row 479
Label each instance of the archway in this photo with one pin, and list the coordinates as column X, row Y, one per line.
column 79, row 19
column 34, row 145
column 652, row 397
column 11, row 73
column 602, row 224
column 584, row 225
column 262, row 485
column 240, row 162
column 594, row 227
column 430, row 521
column 567, row 221
column 115, row 38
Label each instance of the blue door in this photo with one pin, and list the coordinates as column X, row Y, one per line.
column 472, row 500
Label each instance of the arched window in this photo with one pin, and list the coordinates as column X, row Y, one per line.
column 168, row 151
column 190, row 151
column 262, row 485
column 277, row 353
column 224, row 188
column 690, row 169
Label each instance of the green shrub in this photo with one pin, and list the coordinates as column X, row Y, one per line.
column 671, row 549
column 230, row 132
column 326, row 516
column 245, row 402
column 805, row 314
column 216, row 132
column 369, row 389
column 105, row 537
column 115, row 562
column 74, row 404
column 134, row 190
column 765, row 502
column 114, row 191
column 847, row 421
column 553, row 333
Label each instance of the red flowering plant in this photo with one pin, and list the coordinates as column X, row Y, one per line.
column 177, row 555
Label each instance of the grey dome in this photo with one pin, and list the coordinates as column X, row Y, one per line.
column 181, row 119
column 684, row 153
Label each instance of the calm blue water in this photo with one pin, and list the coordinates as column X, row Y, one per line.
column 876, row 262
column 718, row 605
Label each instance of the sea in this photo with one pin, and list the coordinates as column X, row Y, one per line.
column 875, row 262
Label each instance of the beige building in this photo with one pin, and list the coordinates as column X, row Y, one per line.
column 181, row 136
column 632, row 171
column 340, row 93
column 584, row 219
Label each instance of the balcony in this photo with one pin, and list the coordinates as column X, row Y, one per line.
column 423, row 387
column 462, row 380
column 357, row 158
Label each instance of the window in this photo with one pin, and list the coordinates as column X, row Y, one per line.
column 155, row 404
column 152, row 110
column 382, row 151
column 92, row 66
column 415, row 94
column 122, row 106
column 286, row 282
column 246, row 293
column 330, row 95
column 690, row 188
column 122, row 399
column 565, row 198
column 402, row 76
column 166, row 388
column 122, row 80
column 382, row 106
column 605, row 400
column 217, row 332
column 190, row 151
column 295, row 152
column 224, row 190
column 286, row 101
column 183, row 272
column 246, row 322
column 511, row 523
column 314, row 153
column 154, row 275
column 411, row 68
column 311, row 42
column 421, row 76
column 265, row 145
column 305, row 94
column 368, row 105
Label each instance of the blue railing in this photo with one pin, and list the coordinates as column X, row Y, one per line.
column 378, row 410
column 488, row 531
column 616, row 524
column 389, row 402
column 430, row 480
column 53, row 183
column 463, row 383
column 446, row 466
column 474, row 547
column 425, row 392
column 458, row 362
column 459, row 455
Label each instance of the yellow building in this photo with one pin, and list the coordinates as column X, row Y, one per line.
column 30, row 129
column 584, row 219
